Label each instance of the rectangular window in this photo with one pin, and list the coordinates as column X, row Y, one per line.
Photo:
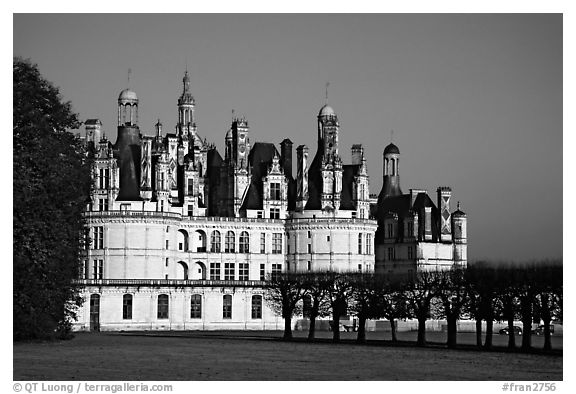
column 328, row 238
column 368, row 243
column 276, row 243
column 276, row 270
column 259, row 214
column 390, row 254
column 410, row 253
column 309, row 248
column 86, row 273
column 166, row 261
column 161, row 205
column 97, row 268
column 227, row 307
column 410, row 229
column 309, row 266
column 190, row 210
column 262, row 242
column 163, row 306
column 262, row 271
column 243, row 271
column 214, row 271
column 229, row 271
column 196, row 306
column 275, row 191
column 354, row 215
column 309, row 234
column 102, row 204
column 190, row 187
column 98, row 238
column 359, row 243
column 127, row 307
column 359, row 267
column 274, row 213
column 390, row 228
column 167, row 243
column 256, row 307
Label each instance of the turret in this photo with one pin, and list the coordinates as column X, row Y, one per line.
column 391, row 186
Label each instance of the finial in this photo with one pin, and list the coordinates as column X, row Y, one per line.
column 186, row 64
column 458, row 205
column 391, row 136
column 129, row 73
column 326, row 97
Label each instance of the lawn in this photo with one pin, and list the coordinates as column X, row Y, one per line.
column 261, row 356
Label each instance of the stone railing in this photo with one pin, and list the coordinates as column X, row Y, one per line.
column 170, row 282
column 173, row 215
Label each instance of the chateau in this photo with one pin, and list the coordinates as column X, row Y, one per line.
column 182, row 238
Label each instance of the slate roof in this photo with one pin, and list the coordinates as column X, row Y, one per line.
column 349, row 171
column 259, row 159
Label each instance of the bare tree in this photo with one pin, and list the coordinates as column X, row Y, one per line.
column 420, row 291
column 548, row 298
column 451, row 291
column 315, row 285
column 507, row 305
column 365, row 300
column 393, row 302
column 339, row 291
column 481, row 302
column 284, row 291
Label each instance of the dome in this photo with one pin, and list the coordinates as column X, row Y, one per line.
column 391, row 149
column 127, row 95
column 326, row 110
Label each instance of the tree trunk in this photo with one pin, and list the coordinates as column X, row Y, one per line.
column 421, row 331
column 336, row 327
column 312, row 328
column 511, row 341
column 547, row 336
column 452, row 331
column 287, row 328
column 361, row 329
column 526, row 324
column 393, row 329
column 489, row 332
column 479, row 332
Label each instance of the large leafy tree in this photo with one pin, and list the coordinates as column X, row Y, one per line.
column 51, row 186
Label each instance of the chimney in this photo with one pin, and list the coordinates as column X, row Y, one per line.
column 286, row 157
column 302, row 177
column 357, row 154
column 444, row 193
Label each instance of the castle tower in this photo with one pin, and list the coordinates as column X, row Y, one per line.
column 328, row 128
column 186, row 105
column 391, row 186
column 128, row 145
column 459, row 234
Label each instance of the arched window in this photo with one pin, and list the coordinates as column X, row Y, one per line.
column 227, row 307
column 244, row 242
column 215, row 242
column 256, row 307
column 196, row 306
column 163, row 306
column 127, row 307
column 230, row 241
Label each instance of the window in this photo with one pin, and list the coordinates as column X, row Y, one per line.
column 244, row 242
column 309, row 248
column 196, row 306
column 229, row 271
column 309, row 266
column 127, row 307
column 167, row 261
column 104, row 178
column 274, row 213
column 256, row 307
column 161, row 205
column 276, row 270
column 354, row 215
column 390, row 228
column 86, row 271
column 98, row 268
column 102, row 204
column 410, row 253
column 230, row 241
column 163, row 306
column 359, row 243
column 98, row 238
column 309, row 234
column 277, row 243
column 368, row 243
column 227, row 307
column 288, row 266
column 190, row 210
column 410, row 229
column 275, row 191
column 259, row 214
column 180, row 246
column 190, row 187
column 215, row 242
column 214, row 271
column 391, row 254
column 243, row 271
column 262, row 242
column 359, row 267
column 167, row 244
column 262, row 272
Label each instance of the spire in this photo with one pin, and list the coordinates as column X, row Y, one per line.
column 391, row 136
column 129, row 74
column 186, row 82
column 326, row 96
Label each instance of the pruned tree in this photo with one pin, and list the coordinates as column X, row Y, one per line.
column 315, row 302
column 392, row 302
column 481, row 299
column 452, row 292
column 283, row 293
column 548, row 299
column 51, row 180
column 526, row 279
column 420, row 291
column 507, row 305
column 365, row 300
column 339, row 291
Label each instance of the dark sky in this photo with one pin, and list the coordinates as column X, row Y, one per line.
column 475, row 100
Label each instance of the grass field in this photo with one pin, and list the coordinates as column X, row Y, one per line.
column 262, row 356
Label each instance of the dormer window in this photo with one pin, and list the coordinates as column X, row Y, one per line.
column 275, row 191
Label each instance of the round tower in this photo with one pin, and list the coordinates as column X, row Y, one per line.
column 391, row 186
